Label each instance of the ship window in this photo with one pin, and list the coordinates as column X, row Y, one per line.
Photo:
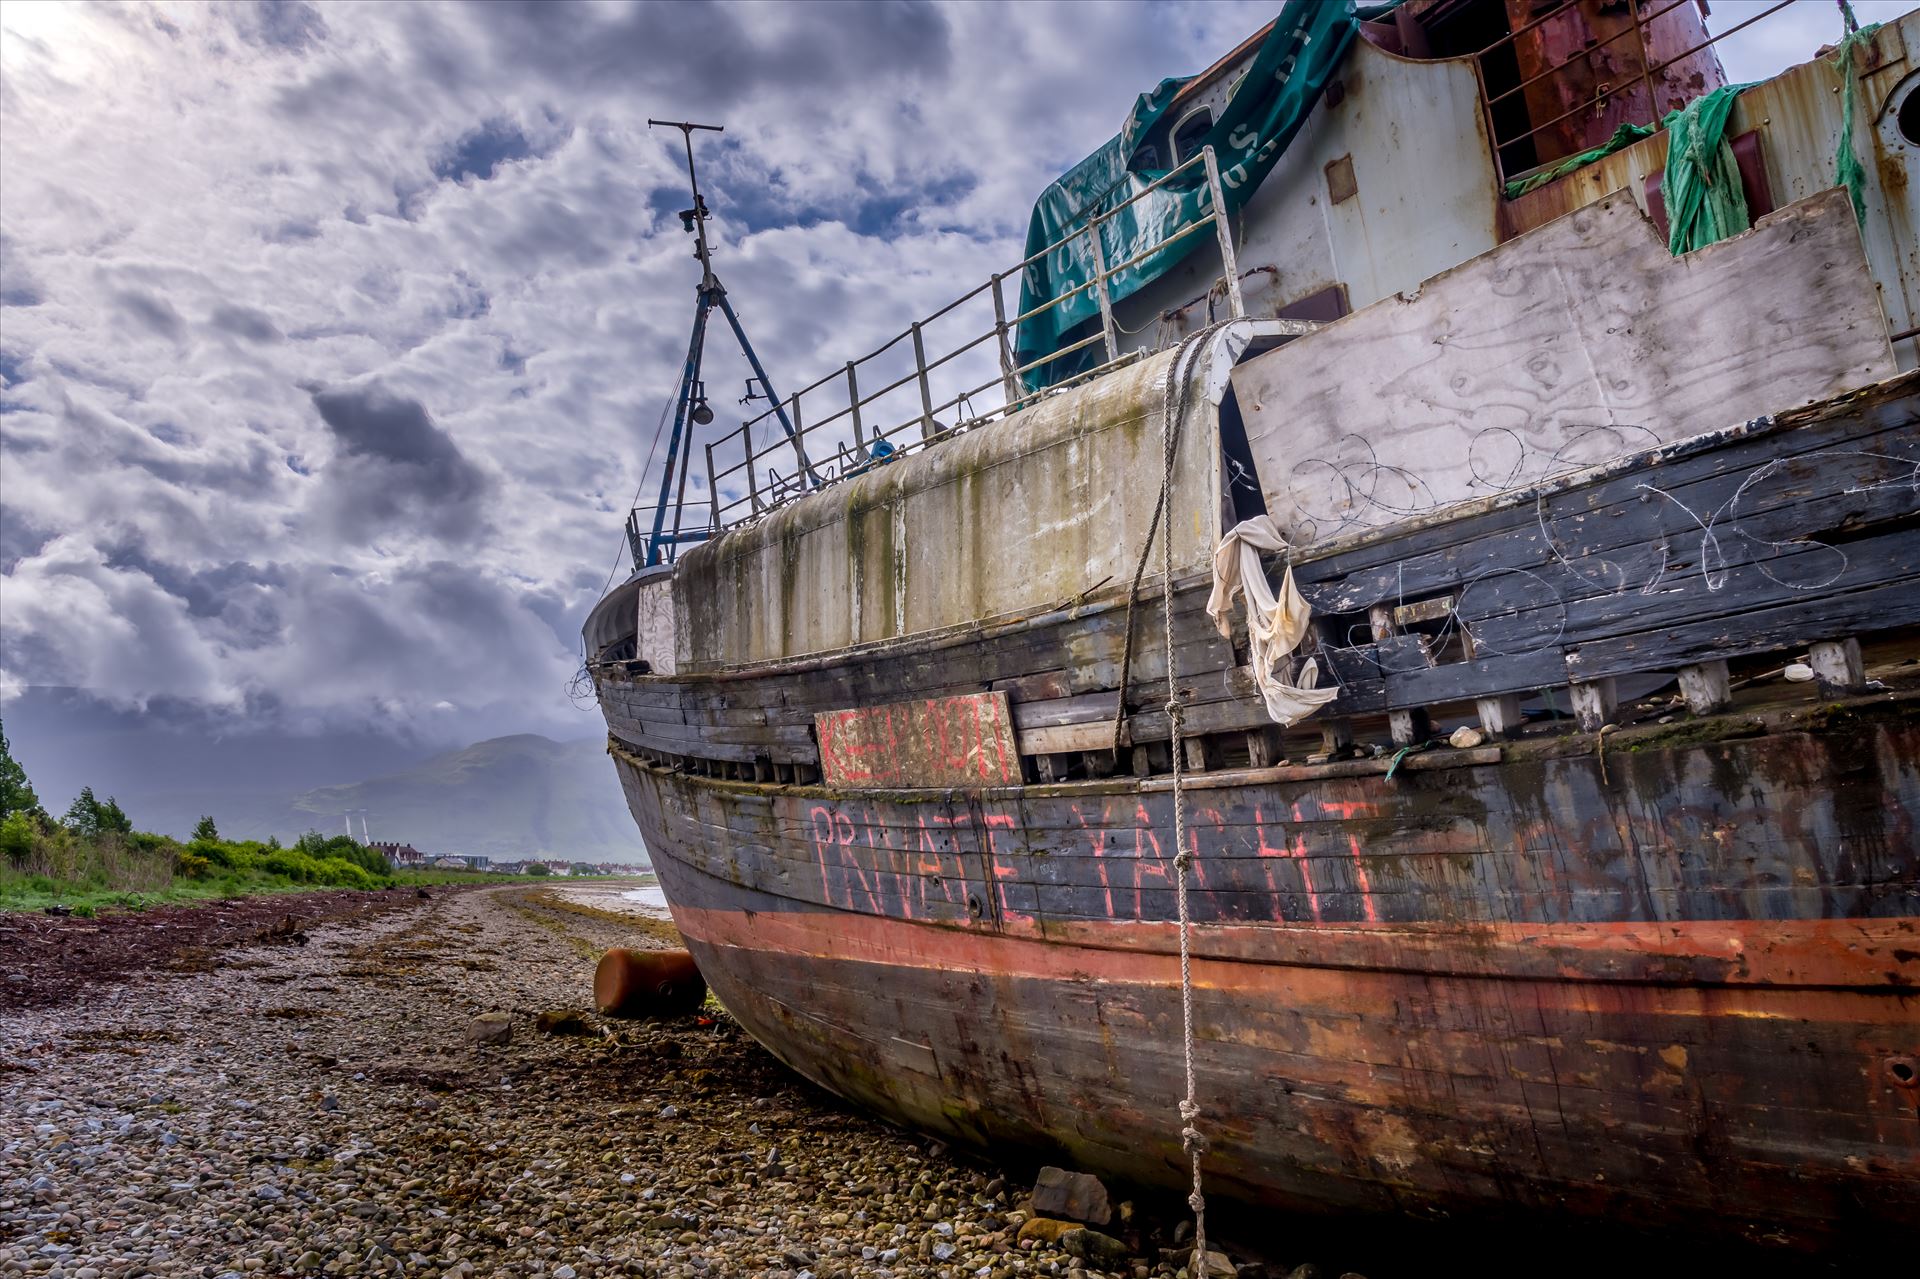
column 1191, row 134
column 1909, row 117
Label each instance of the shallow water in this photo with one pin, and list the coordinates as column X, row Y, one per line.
column 634, row 897
column 648, row 895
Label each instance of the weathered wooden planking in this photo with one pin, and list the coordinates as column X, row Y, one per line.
column 1840, row 469
column 1606, row 565
column 1535, row 922
column 1768, row 630
column 1572, row 344
column 964, row 740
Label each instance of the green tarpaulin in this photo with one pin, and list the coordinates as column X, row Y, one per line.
column 1705, row 204
column 1265, row 111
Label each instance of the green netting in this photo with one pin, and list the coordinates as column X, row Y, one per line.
column 1705, row 203
column 1702, row 188
column 1260, row 119
column 1623, row 137
column 1847, row 170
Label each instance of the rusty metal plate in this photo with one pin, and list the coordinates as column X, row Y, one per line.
column 964, row 740
column 1341, row 184
column 1432, row 610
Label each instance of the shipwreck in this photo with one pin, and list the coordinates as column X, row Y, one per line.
column 1394, row 627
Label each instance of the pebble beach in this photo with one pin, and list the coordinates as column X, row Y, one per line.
column 313, row 1101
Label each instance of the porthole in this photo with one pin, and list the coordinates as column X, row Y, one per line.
column 1898, row 120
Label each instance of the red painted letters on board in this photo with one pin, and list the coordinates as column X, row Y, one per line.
column 964, row 740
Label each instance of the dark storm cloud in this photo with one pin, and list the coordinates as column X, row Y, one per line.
column 207, row 591
column 450, row 226
column 719, row 51
column 156, row 315
column 281, row 24
column 337, row 91
column 552, row 229
column 246, row 600
column 19, row 538
column 294, row 230
column 245, row 322
column 395, row 465
column 17, row 287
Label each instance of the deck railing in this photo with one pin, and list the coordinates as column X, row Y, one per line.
column 842, row 429
column 1642, row 15
column 676, row 530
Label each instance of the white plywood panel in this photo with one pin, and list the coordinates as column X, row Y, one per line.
column 1570, row 345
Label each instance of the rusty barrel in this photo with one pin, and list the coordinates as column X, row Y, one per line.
column 647, row 983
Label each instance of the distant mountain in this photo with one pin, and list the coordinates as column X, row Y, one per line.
column 510, row 797
column 506, row 797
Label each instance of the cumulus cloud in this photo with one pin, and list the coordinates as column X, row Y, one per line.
column 333, row 339
column 393, row 466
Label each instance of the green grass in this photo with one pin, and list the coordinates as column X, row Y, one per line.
column 37, row 892
column 45, row 864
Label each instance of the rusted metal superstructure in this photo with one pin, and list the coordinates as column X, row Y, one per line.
column 1595, row 889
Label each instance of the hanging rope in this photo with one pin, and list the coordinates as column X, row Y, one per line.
column 1174, row 405
column 1180, row 355
column 1176, row 398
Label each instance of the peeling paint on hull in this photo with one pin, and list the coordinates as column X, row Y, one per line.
column 1508, row 988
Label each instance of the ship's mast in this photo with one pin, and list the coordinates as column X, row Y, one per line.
column 691, row 406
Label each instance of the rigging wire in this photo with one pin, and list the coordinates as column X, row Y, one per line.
column 579, row 685
column 638, row 489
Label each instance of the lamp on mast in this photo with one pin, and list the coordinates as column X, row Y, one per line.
column 691, row 407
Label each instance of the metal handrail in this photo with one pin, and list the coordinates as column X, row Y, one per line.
column 1621, row 34
column 759, row 498
column 1637, row 29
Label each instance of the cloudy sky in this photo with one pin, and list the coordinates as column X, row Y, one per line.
column 333, row 337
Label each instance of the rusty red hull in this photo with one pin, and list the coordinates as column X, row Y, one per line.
column 1682, row 987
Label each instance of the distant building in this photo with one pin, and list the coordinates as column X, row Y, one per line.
column 450, row 862
column 401, row 856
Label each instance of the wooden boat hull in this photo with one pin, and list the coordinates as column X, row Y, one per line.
column 1677, row 985
column 1656, row 961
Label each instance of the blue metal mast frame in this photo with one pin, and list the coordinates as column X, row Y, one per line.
column 709, row 294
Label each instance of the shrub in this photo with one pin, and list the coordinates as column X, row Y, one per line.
column 341, row 873
column 218, row 854
column 17, row 834
column 290, row 863
column 191, row 864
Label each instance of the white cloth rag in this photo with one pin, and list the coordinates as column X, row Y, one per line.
column 1275, row 626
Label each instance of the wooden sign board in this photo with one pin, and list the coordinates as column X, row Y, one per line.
column 963, row 740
